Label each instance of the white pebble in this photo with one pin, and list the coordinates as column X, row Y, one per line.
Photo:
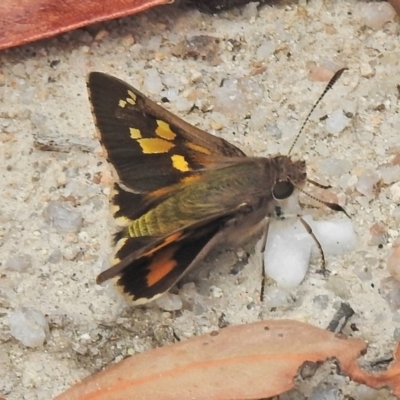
column 366, row 70
column 375, row 15
column 183, row 105
column 324, row 392
column 277, row 297
column 191, row 299
column 154, row 43
column 29, row 326
column 390, row 174
column 395, row 191
column 19, row 263
column 250, row 10
column 152, row 82
column 169, row 302
column 188, row 293
column 170, row 80
column 63, row 217
column 336, row 122
column 393, row 263
column 287, row 268
column 265, row 50
column 367, row 184
column 288, row 250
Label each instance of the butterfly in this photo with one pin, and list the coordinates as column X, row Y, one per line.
column 179, row 191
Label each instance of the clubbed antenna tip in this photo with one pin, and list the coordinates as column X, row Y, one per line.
column 327, row 88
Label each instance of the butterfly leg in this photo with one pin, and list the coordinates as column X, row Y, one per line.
column 263, row 245
column 309, row 230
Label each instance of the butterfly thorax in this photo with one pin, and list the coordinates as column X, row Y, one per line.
column 249, row 185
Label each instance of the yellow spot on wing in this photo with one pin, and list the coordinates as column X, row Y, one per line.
column 122, row 103
column 198, row 148
column 164, row 130
column 160, row 266
column 132, row 95
column 135, row 133
column 155, row 145
column 179, row 163
column 130, row 101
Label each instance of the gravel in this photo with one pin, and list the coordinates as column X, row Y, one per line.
column 252, row 75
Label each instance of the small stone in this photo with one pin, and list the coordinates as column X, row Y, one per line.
column 154, row 43
column 19, row 263
column 152, row 82
column 170, row 80
column 216, row 292
column 55, row 256
column 216, row 125
column 363, row 392
column 19, row 70
column 366, row 70
column 196, row 76
column 390, row 291
column 324, row 392
column 375, row 15
column 135, row 50
column 183, row 105
column 101, row 35
column 393, row 263
column 63, row 217
column 367, row 184
column 277, row 297
column 169, row 302
column 250, row 10
column 29, row 326
column 395, row 192
column 379, row 234
column 336, row 122
column 128, row 40
column 390, row 174
column 265, row 50
column 191, row 299
column 322, row 301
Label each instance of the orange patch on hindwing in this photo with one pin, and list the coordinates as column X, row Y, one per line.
column 161, row 265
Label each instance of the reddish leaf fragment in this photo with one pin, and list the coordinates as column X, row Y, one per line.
column 23, row 21
column 396, row 5
column 390, row 378
column 239, row 362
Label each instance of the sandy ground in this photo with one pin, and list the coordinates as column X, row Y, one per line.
column 276, row 54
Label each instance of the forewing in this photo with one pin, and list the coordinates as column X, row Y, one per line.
column 149, row 147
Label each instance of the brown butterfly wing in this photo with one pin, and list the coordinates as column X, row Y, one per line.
column 149, row 147
column 154, row 154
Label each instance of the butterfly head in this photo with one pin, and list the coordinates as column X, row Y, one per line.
column 291, row 176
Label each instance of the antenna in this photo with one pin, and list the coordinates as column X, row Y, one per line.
column 326, row 90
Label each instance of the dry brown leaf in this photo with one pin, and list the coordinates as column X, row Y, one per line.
column 396, row 5
column 23, row 21
column 239, row 362
column 390, row 378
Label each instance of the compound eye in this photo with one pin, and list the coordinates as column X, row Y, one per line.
column 282, row 190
